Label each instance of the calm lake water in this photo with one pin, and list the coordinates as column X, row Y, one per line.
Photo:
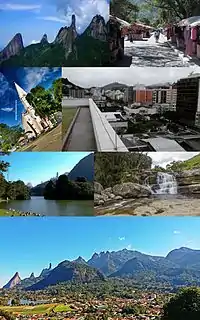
column 51, row 207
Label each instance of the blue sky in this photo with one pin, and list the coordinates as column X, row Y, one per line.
column 65, row 238
column 27, row 78
column 34, row 167
column 34, row 18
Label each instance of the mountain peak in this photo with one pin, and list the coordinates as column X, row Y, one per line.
column 80, row 260
column 44, row 39
column 13, row 48
column 13, row 281
column 97, row 28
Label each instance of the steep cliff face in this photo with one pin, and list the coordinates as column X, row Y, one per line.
column 44, row 39
column 13, row 281
column 66, row 37
column 13, row 48
column 97, row 29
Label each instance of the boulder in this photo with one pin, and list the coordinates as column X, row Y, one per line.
column 189, row 189
column 100, row 199
column 188, row 177
column 98, row 188
column 131, row 190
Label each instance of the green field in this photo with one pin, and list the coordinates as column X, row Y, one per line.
column 5, row 212
column 50, row 141
column 39, row 309
column 67, row 117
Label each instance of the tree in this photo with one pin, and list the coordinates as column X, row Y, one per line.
column 49, row 191
column 184, row 305
column 113, row 168
column 7, row 315
column 124, row 9
column 176, row 9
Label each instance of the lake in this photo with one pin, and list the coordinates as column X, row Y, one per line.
column 51, row 207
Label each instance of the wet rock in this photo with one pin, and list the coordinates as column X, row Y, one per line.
column 131, row 190
column 188, row 177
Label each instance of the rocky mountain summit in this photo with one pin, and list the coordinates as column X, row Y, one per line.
column 97, row 29
column 15, row 280
column 13, row 48
column 44, row 39
column 178, row 268
column 68, row 49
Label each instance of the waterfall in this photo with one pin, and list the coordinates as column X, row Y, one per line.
column 166, row 183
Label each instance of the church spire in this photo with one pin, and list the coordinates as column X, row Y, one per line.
column 22, row 95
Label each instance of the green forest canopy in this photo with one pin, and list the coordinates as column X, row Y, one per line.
column 155, row 12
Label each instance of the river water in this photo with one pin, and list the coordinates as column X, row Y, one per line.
column 52, row 207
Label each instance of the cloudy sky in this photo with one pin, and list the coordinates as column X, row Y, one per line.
column 89, row 77
column 27, row 78
column 34, row 18
column 164, row 158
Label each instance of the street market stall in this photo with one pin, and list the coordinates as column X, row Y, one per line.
column 186, row 35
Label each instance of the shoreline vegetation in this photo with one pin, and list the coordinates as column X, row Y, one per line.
column 17, row 213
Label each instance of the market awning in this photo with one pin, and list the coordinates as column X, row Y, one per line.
column 122, row 22
column 189, row 21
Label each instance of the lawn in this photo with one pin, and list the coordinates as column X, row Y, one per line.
column 50, row 141
column 67, row 117
column 39, row 309
column 7, row 213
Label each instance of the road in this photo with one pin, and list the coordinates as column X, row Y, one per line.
column 151, row 54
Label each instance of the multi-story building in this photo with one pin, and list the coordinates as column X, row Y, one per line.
column 165, row 95
column 129, row 94
column 76, row 93
column 143, row 96
column 188, row 100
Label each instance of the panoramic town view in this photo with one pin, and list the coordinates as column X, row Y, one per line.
column 90, row 274
column 30, row 109
column 61, row 184
column 143, row 109
column 61, row 31
column 156, row 33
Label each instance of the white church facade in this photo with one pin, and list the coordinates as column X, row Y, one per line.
column 32, row 124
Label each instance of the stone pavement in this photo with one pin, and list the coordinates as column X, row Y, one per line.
column 152, row 54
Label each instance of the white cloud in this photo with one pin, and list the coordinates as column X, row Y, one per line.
column 176, row 232
column 52, row 18
column 88, row 77
column 164, row 158
column 34, row 76
column 121, row 238
column 7, row 109
column 20, row 7
column 129, row 247
column 84, row 10
column 34, row 41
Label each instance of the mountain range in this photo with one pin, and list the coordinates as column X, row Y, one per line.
column 84, row 168
column 180, row 267
column 90, row 48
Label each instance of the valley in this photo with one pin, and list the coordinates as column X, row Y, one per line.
column 124, row 284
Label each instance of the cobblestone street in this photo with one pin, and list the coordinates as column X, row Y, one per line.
column 151, row 54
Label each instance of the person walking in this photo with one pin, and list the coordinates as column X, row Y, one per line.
column 157, row 35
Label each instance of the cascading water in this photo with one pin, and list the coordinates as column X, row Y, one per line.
column 166, row 184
